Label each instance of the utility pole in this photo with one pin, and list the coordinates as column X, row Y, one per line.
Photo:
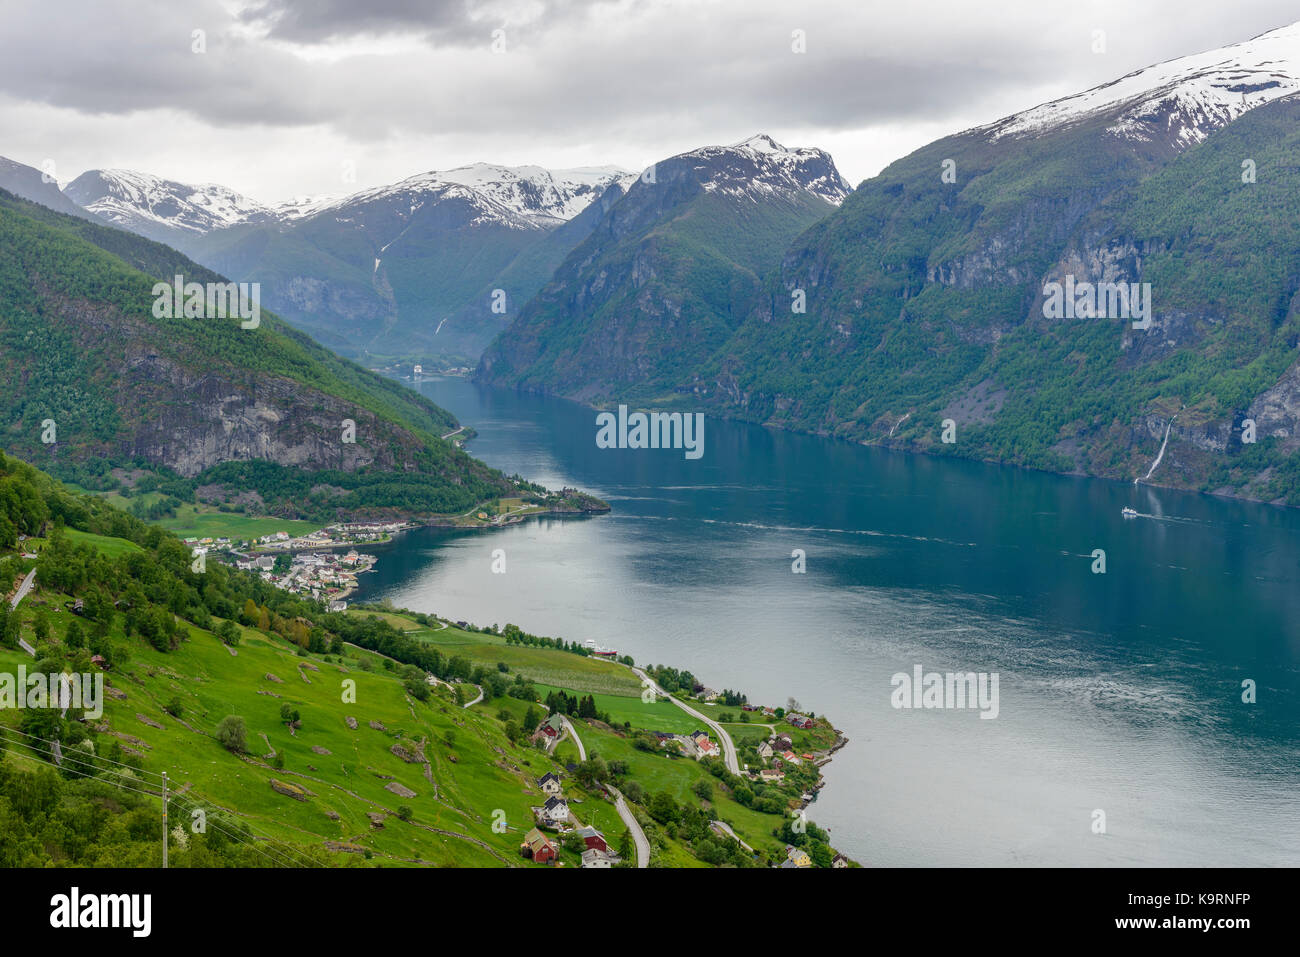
column 164, row 819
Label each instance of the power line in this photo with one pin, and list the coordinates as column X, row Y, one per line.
column 130, row 768
column 280, row 861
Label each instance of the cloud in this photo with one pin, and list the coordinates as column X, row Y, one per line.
column 287, row 89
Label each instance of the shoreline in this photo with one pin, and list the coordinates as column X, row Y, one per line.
column 1135, row 482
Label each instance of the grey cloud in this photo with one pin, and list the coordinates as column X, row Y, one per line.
column 605, row 73
column 448, row 22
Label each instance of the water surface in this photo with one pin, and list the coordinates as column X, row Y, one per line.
column 1119, row 692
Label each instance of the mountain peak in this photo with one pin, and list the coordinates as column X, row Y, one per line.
column 1182, row 100
column 151, row 205
column 761, row 142
column 762, row 165
column 519, row 196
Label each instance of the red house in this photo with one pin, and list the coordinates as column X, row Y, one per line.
column 537, row 848
column 593, row 839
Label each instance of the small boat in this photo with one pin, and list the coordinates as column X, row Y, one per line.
column 1129, row 512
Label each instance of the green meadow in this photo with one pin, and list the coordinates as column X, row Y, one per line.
column 546, row 666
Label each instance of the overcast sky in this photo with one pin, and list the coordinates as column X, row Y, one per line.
column 291, row 93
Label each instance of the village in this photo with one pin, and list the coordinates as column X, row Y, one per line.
column 307, row 564
column 556, row 813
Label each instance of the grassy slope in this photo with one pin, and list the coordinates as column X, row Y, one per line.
column 211, row 684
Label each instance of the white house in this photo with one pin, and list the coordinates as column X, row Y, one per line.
column 554, row 811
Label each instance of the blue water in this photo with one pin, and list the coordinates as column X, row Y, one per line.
column 1119, row 692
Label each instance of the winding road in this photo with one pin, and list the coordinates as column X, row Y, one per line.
column 573, row 733
column 728, row 747
column 638, row 836
column 19, row 595
column 24, row 588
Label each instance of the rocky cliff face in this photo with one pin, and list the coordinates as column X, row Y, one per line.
column 924, row 295
column 85, row 352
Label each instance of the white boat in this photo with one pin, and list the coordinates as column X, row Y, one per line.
column 1129, row 512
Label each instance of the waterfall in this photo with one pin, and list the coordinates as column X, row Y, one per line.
column 1159, row 455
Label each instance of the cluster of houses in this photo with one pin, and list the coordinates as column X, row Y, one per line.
column 209, row 542
column 555, row 815
column 696, row 745
column 798, row 857
column 332, row 536
column 322, row 575
column 779, row 751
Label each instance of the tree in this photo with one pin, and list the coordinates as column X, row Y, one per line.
column 232, row 734
column 703, row 789
column 663, row 808
column 75, row 637
column 625, row 845
column 228, row 632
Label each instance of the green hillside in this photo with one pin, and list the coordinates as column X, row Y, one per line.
column 301, row 737
column 925, row 301
column 256, row 412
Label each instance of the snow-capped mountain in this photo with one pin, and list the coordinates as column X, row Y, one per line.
column 537, row 193
column 300, row 207
column 761, row 167
column 414, row 265
column 522, row 197
column 1180, row 101
column 666, row 271
column 525, row 197
column 158, row 208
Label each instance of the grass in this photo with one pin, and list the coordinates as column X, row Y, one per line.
column 204, row 521
column 541, row 665
column 111, row 547
column 475, row 772
column 659, row 772
column 660, row 716
column 475, row 775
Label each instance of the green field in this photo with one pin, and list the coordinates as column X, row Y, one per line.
column 541, row 665
column 201, row 521
column 660, row 716
column 112, row 547
column 473, row 776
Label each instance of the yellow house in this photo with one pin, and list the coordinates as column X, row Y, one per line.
column 798, row 857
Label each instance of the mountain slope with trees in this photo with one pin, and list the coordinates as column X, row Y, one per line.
column 98, row 381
